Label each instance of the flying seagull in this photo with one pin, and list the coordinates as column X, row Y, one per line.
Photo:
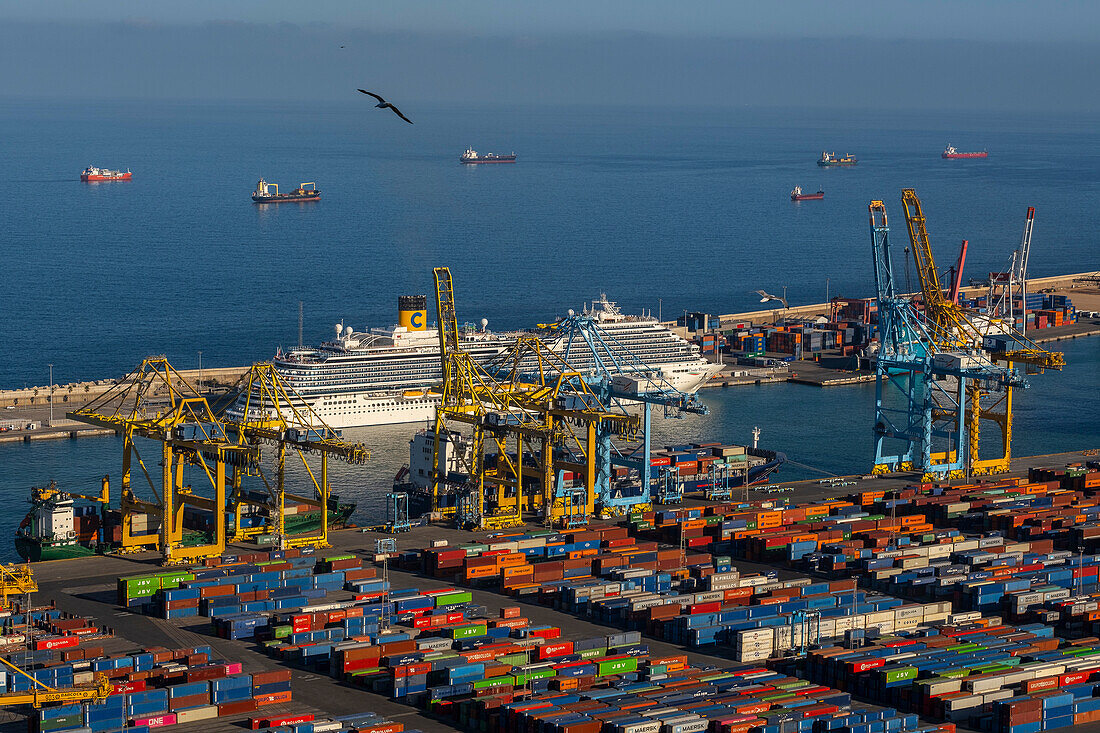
column 383, row 104
column 765, row 297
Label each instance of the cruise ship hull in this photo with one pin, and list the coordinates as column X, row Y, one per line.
column 372, row 408
column 386, row 377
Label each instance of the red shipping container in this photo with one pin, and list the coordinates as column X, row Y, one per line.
column 63, row 642
column 273, row 698
column 271, row 677
column 546, row 651
column 236, row 708
column 121, row 687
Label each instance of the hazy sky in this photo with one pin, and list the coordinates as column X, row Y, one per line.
column 957, row 54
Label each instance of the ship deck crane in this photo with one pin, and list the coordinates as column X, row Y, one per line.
column 156, row 403
column 271, row 412
column 42, row 694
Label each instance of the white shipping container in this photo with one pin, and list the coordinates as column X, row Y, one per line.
column 985, row 683
column 904, row 613
column 206, row 712
column 963, row 617
column 942, row 687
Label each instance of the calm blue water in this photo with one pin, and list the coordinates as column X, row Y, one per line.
column 689, row 206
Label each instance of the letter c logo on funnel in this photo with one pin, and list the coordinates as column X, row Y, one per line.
column 417, row 320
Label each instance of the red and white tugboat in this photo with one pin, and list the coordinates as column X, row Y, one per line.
column 91, row 173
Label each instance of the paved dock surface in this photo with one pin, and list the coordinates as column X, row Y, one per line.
column 86, row 586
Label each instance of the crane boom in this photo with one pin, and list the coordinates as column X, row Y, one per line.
column 42, row 694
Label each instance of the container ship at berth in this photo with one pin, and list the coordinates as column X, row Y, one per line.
column 831, row 160
column 797, row 195
column 950, row 153
column 268, row 193
column 58, row 527
column 387, row 375
column 685, row 468
column 93, row 174
column 471, row 157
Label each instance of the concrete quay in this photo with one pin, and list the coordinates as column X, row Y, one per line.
column 86, row 586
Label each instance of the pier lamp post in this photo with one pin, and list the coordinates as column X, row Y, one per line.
column 51, row 394
column 660, row 308
column 200, row 371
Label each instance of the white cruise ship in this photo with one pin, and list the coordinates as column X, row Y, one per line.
column 384, row 376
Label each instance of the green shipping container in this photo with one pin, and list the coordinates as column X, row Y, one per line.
column 617, row 666
column 145, row 585
column 467, row 632
column 173, row 580
column 901, row 674
column 590, row 653
column 452, row 598
column 539, row 674
column 494, row 682
column 74, row 720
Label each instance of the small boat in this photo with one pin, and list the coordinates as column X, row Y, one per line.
column 471, row 157
column 797, row 195
column 91, row 173
column 829, row 160
column 264, row 193
column 950, row 153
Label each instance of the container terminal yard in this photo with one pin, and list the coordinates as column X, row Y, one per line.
column 545, row 566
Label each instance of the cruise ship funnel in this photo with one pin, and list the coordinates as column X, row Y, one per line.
column 412, row 312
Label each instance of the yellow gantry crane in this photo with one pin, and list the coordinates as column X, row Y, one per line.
column 16, row 580
column 154, row 402
column 531, row 415
column 42, row 694
column 952, row 331
column 265, row 409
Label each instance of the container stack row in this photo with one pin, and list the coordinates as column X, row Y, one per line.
column 984, row 675
column 690, row 700
column 234, row 586
column 150, row 689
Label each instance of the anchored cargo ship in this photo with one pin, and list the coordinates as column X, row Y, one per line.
column 387, row 375
column 797, row 195
column 471, row 157
column 91, row 173
column 268, row 193
column 951, row 153
column 830, row 160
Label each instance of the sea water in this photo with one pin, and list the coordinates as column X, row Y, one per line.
column 662, row 210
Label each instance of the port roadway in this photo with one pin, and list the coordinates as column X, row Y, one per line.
column 87, row 587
